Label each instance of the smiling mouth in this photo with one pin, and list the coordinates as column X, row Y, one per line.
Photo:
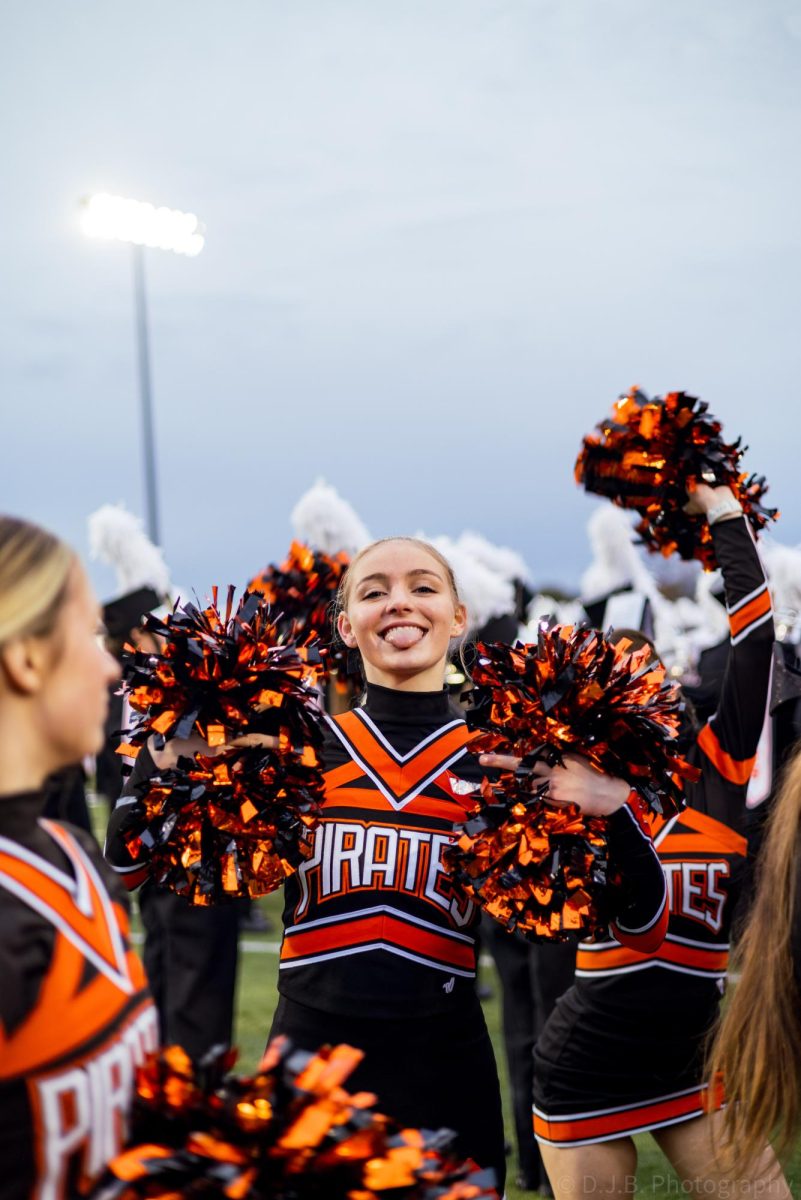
column 402, row 637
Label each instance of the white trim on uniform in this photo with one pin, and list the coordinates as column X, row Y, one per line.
column 749, row 629
column 404, row 758
column 735, row 608
column 286, row 965
column 372, row 911
column 85, row 872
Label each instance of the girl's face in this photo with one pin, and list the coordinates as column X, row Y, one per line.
column 72, row 699
column 401, row 615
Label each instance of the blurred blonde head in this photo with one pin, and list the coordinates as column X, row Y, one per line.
column 35, row 571
column 54, row 672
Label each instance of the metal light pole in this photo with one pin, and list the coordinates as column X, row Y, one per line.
column 141, row 224
column 146, row 396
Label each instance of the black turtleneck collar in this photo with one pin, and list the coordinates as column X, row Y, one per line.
column 19, row 814
column 390, row 704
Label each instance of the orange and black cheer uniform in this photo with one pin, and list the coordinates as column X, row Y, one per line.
column 75, row 1013
column 379, row 945
column 623, row 1050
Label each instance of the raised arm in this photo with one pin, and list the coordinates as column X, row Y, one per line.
column 727, row 744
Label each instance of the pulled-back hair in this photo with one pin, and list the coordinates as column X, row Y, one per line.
column 34, row 575
column 756, row 1053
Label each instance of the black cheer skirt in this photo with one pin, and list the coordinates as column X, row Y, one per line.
column 605, row 1069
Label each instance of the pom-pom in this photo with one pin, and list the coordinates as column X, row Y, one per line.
column 323, row 520
column 651, row 452
column 291, row 1132
column 301, row 592
column 235, row 823
column 539, row 868
column 118, row 538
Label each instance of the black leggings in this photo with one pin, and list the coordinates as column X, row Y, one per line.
column 429, row 1072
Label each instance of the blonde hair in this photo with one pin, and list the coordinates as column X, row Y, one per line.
column 35, row 568
column 343, row 591
column 756, row 1053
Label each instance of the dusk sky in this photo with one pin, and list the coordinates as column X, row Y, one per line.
column 442, row 236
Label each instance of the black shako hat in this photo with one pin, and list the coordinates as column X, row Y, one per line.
column 122, row 615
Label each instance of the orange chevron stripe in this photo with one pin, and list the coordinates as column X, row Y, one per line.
column 338, row 776
column 563, row 1131
column 713, row 830
column 671, row 952
column 66, row 1015
column 378, row 927
column 371, row 800
column 400, row 777
column 735, row 770
column 754, row 609
column 94, row 928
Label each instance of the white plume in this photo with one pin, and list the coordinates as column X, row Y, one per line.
column 565, row 612
column 118, row 538
column 617, row 563
column 485, row 593
column 783, row 566
column 501, row 560
column 615, row 560
column 323, row 520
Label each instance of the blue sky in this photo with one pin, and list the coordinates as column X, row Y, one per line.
column 441, row 237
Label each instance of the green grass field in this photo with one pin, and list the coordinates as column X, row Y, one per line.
column 257, row 998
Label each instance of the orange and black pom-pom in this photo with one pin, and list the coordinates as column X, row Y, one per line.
column 234, row 823
column 543, row 869
column 301, row 591
column 650, row 452
column 290, row 1132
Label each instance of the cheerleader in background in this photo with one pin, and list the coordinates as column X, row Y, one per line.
column 623, row 1051
column 75, row 1014
column 379, row 945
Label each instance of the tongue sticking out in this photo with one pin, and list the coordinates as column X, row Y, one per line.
column 403, row 636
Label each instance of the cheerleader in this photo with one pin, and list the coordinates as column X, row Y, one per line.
column 379, row 945
column 75, row 1015
column 623, row 1051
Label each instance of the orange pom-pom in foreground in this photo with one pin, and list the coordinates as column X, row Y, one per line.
column 290, row 1132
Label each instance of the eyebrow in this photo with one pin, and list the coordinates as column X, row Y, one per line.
column 381, row 577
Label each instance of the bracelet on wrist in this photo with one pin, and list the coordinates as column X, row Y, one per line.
column 726, row 508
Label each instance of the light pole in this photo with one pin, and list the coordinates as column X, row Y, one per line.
column 141, row 224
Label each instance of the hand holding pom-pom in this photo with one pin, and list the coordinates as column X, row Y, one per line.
column 651, row 454
column 573, row 723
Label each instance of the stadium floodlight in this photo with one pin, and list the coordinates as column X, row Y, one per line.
column 116, row 218
column 136, row 221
